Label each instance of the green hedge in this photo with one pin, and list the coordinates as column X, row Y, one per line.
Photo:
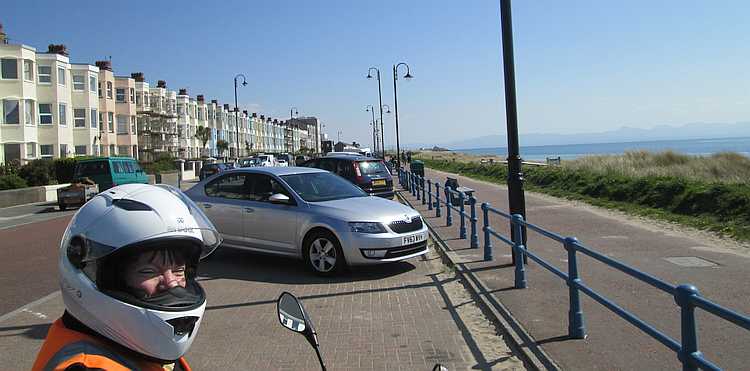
column 722, row 207
column 11, row 181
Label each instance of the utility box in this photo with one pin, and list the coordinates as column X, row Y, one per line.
column 417, row 167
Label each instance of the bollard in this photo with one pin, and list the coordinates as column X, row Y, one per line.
column 576, row 327
column 448, row 207
column 474, row 238
column 416, row 186
column 424, row 197
column 520, row 272
column 486, row 229
column 462, row 214
column 429, row 194
column 413, row 184
column 682, row 296
column 437, row 199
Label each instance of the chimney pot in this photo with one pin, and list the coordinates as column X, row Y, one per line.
column 182, row 92
column 214, row 101
column 138, row 76
column 200, row 98
column 255, row 114
column 161, row 84
column 58, row 49
column 262, row 117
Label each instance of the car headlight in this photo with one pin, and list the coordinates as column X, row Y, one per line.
column 366, row 227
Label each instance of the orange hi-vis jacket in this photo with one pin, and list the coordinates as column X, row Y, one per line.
column 65, row 347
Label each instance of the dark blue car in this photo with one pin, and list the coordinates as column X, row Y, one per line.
column 370, row 174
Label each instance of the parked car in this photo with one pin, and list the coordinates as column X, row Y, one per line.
column 248, row 162
column 108, row 172
column 300, row 159
column 266, row 160
column 282, row 163
column 309, row 214
column 368, row 173
column 211, row 169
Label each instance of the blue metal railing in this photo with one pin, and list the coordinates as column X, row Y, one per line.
column 686, row 296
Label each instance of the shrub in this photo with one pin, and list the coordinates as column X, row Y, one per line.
column 10, row 168
column 37, row 172
column 11, row 181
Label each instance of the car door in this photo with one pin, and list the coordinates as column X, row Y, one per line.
column 224, row 205
column 269, row 226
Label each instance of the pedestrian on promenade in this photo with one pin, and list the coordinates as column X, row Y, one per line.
column 127, row 263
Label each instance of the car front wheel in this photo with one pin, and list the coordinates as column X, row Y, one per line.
column 323, row 254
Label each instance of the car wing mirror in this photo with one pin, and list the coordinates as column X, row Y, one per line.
column 279, row 198
column 292, row 316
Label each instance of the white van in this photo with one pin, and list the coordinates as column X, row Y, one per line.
column 266, row 160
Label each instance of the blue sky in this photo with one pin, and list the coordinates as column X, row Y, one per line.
column 582, row 66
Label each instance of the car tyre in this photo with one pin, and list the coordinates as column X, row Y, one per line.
column 323, row 254
column 62, row 207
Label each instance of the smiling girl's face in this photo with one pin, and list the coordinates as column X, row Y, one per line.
column 154, row 272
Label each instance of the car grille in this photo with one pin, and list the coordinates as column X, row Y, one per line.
column 400, row 226
column 406, row 250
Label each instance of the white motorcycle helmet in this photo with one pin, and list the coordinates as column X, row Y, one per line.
column 117, row 224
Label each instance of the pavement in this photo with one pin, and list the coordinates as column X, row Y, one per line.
column 719, row 270
column 402, row 316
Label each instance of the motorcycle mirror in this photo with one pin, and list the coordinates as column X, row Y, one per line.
column 292, row 315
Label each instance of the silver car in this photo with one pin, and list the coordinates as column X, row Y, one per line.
column 309, row 214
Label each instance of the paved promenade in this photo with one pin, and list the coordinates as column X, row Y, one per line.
column 721, row 273
column 403, row 316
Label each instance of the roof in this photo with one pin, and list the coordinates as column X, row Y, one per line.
column 106, row 158
column 353, row 157
column 277, row 170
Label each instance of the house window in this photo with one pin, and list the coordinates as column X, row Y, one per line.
column 132, row 95
column 28, row 70
column 45, row 150
column 111, row 121
column 92, row 84
column 122, row 124
column 122, row 150
column 62, row 119
column 63, row 150
column 132, row 125
column 100, row 91
column 120, row 95
column 109, row 89
column 112, row 150
column 29, row 115
column 79, row 82
column 30, row 150
column 10, row 111
column 44, row 74
column 79, row 117
column 101, row 119
column 139, row 98
column 45, row 114
column 80, row 150
column 9, row 68
column 93, row 118
column 60, row 76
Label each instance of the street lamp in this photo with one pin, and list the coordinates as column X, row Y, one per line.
column 292, row 112
column 380, row 97
column 395, row 106
column 237, row 110
column 371, row 109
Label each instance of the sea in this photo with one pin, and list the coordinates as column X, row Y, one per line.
column 698, row 147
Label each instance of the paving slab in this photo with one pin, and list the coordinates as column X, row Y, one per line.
column 720, row 272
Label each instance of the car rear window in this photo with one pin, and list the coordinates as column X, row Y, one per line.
column 372, row 167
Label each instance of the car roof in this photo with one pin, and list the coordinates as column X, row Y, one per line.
column 278, row 171
column 354, row 157
column 121, row 158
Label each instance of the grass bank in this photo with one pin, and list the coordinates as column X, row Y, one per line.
column 721, row 206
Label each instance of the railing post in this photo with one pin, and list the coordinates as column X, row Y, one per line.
column 448, row 206
column 486, row 229
column 576, row 326
column 429, row 194
column 462, row 214
column 520, row 272
column 413, row 184
column 416, row 186
column 424, row 196
column 474, row 241
column 683, row 295
column 437, row 200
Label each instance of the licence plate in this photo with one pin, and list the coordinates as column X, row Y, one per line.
column 72, row 194
column 379, row 182
column 408, row 240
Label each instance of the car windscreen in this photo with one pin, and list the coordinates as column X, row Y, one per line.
column 88, row 169
column 372, row 167
column 318, row 187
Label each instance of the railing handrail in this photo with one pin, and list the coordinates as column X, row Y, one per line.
column 686, row 296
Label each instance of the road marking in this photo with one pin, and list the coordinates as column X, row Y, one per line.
column 27, row 308
column 614, row 237
column 33, row 221
column 690, row 261
column 3, row 218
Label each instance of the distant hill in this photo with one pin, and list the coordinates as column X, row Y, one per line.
column 623, row 134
